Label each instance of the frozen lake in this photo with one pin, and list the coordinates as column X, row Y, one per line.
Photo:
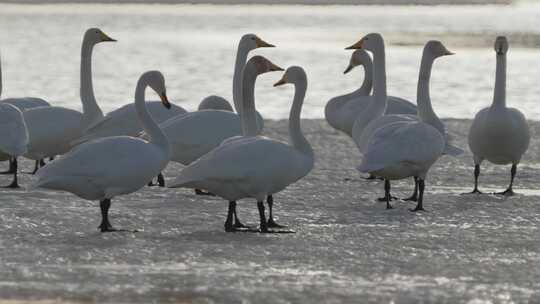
column 347, row 247
column 194, row 46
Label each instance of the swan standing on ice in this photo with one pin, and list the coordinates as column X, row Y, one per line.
column 22, row 103
column 194, row 134
column 13, row 135
column 342, row 111
column 107, row 167
column 253, row 166
column 498, row 133
column 406, row 147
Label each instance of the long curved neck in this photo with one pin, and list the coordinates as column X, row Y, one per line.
column 241, row 58
column 367, row 84
column 295, row 132
column 425, row 109
column 91, row 110
column 378, row 106
column 249, row 116
column 149, row 125
column 0, row 77
column 499, row 96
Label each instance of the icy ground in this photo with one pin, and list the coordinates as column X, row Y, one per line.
column 347, row 247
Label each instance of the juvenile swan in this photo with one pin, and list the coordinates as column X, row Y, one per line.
column 107, row 167
column 499, row 134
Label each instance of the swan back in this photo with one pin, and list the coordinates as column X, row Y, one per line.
column 13, row 132
column 214, row 102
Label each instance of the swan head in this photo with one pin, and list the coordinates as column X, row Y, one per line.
column 261, row 65
column 294, row 75
column 370, row 42
column 95, row 35
column 252, row 41
column 214, row 102
column 437, row 49
column 156, row 81
column 501, row 45
column 358, row 57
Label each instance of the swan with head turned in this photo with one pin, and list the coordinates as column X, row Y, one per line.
column 194, row 134
column 104, row 168
column 253, row 166
column 498, row 133
column 402, row 147
column 342, row 111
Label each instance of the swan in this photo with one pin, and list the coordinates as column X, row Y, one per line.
column 253, row 166
column 196, row 133
column 341, row 111
column 22, row 103
column 498, row 133
column 13, row 135
column 432, row 50
column 51, row 129
column 107, row 167
column 405, row 147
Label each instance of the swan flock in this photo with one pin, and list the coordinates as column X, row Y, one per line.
column 222, row 147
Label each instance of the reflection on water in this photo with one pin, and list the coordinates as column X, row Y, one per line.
column 194, row 46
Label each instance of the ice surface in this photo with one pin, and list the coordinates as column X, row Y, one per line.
column 347, row 247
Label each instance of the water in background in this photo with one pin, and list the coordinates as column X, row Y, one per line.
column 194, row 46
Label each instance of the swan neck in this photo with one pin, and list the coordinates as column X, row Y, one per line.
column 367, row 84
column 91, row 110
column 425, row 109
column 155, row 134
column 379, row 79
column 295, row 131
column 0, row 77
column 249, row 116
column 499, row 96
column 241, row 58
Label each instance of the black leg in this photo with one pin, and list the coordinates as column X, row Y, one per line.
column 42, row 162
column 271, row 223
column 414, row 196
column 161, row 180
column 229, row 227
column 509, row 191
column 387, row 193
column 14, row 184
column 476, row 175
column 200, row 192
column 420, row 206
column 11, row 169
column 262, row 218
column 105, row 225
column 36, row 167
column 237, row 223
column 51, row 158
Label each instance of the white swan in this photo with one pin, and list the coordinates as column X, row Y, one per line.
column 342, row 111
column 51, row 129
column 407, row 148
column 498, row 133
column 107, row 167
column 196, row 133
column 254, row 166
column 13, row 135
column 214, row 102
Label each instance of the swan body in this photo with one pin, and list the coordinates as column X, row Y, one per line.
column 498, row 133
column 342, row 111
column 25, row 103
column 13, row 132
column 106, row 167
column 214, row 102
column 254, row 166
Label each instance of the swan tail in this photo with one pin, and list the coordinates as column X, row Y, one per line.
column 366, row 167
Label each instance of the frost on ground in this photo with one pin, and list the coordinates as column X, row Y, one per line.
column 347, row 247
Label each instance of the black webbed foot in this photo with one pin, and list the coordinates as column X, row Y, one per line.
column 200, row 192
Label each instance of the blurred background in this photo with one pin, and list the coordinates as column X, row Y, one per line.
column 194, row 45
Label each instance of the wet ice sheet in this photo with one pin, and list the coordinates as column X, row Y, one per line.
column 347, row 247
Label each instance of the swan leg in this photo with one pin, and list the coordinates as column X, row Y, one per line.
column 414, row 196
column 105, row 225
column 387, row 193
column 476, row 175
column 420, row 206
column 11, row 169
column 237, row 223
column 271, row 223
column 384, row 198
column 161, row 180
column 229, row 227
column 36, row 167
column 14, row 184
column 509, row 191
column 42, row 163
column 263, row 227
column 200, row 192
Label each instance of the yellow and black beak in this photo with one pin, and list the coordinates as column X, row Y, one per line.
column 356, row 46
column 447, row 53
column 282, row 81
column 274, row 68
column 105, row 37
column 348, row 69
column 261, row 43
column 164, row 100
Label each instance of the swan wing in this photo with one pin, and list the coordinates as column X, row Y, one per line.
column 13, row 132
